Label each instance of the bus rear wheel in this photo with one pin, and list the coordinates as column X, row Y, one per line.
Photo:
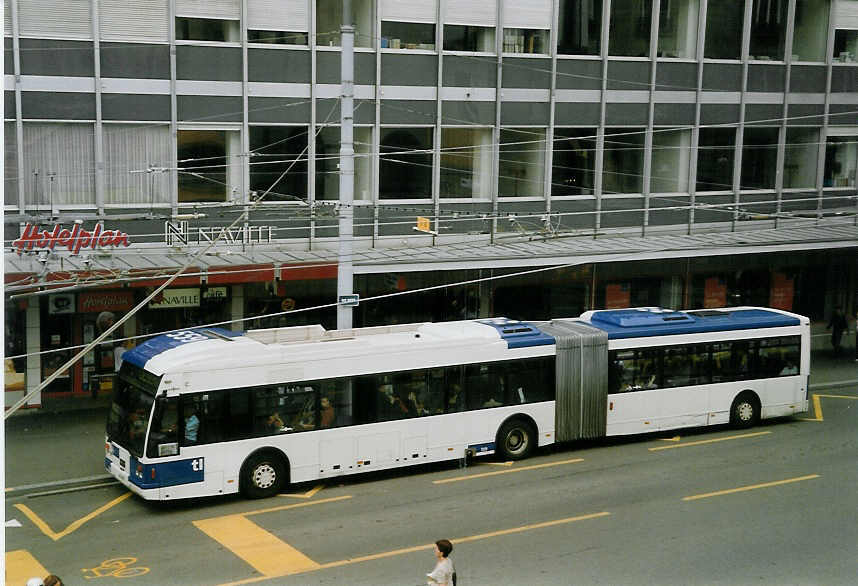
column 745, row 411
column 516, row 439
column 262, row 475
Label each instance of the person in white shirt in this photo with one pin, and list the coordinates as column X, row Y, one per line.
column 442, row 575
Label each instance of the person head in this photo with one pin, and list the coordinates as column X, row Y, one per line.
column 444, row 547
column 53, row 580
column 325, row 402
column 104, row 320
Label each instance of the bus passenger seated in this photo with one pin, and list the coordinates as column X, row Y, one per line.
column 492, row 402
column 788, row 369
column 192, row 428
column 327, row 415
column 274, row 423
column 391, row 404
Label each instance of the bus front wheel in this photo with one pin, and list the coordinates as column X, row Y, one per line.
column 262, row 475
column 516, row 439
column 745, row 411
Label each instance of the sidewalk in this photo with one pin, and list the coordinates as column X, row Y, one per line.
column 63, row 445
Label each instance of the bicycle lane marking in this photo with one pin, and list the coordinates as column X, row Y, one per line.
column 46, row 529
column 265, row 552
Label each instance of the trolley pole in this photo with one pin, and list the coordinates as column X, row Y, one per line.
column 345, row 273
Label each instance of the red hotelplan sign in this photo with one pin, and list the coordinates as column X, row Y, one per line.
column 105, row 301
column 75, row 239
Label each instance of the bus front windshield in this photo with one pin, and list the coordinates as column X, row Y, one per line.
column 131, row 407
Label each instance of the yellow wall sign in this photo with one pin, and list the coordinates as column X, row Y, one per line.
column 424, row 224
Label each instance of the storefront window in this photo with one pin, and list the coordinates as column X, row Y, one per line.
column 630, row 27
column 469, row 38
column 811, row 30
column 715, row 155
column 466, row 162
column 329, row 20
column 580, row 27
column 207, row 29
column 677, row 29
column 407, row 35
column 521, row 40
column 623, row 160
column 14, row 344
column 328, row 163
column 278, row 162
column 759, row 158
column 800, row 153
column 845, row 45
column 768, row 30
column 521, row 169
column 276, row 37
column 405, row 165
column 841, row 154
column 724, row 29
column 573, row 167
column 208, row 168
column 670, row 161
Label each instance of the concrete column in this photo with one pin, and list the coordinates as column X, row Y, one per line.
column 32, row 334
column 237, row 307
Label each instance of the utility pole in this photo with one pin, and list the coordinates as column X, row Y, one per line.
column 345, row 274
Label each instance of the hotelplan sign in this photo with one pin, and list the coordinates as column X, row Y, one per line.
column 179, row 234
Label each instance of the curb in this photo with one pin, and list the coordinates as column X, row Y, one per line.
column 60, row 486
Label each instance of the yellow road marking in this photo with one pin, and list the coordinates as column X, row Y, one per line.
column 265, row 552
column 675, row 438
column 306, row 495
column 710, row 441
column 752, row 487
column 817, row 405
column 522, row 469
column 37, row 521
column 428, row 546
column 296, row 505
column 268, row 554
column 21, row 566
column 507, row 464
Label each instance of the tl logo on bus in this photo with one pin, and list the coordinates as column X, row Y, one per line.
column 75, row 239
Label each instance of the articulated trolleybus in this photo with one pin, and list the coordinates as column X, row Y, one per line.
column 208, row 411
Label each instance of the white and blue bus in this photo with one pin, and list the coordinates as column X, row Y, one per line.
column 208, row 411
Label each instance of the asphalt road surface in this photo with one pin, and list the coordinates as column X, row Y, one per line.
column 775, row 504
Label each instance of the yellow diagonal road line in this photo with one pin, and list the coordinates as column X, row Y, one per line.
column 817, row 404
column 710, row 441
column 45, row 528
column 510, row 471
column 265, row 552
column 428, row 546
column 309, row 494
column 21, row 566
column 751, row 487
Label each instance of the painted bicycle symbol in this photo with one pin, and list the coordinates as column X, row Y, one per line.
column 115, row 568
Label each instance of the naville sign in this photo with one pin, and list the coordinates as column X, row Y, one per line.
column 74, row 239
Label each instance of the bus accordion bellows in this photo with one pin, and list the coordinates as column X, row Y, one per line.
column 208, row 411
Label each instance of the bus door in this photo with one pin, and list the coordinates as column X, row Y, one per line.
column 686, row 380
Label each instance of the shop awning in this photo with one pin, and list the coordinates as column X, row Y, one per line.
column 266, row 263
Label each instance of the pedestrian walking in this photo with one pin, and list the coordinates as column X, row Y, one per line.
column 444, row 573
column 837, row 324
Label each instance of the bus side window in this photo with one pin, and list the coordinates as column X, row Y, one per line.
column 164, row 430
